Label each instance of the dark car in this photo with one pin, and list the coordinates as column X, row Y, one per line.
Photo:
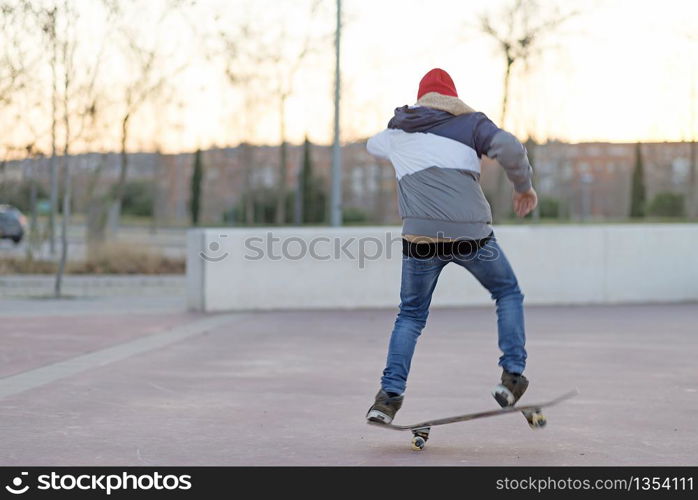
column 12, row 223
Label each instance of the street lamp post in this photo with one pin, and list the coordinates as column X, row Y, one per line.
column 336, row 190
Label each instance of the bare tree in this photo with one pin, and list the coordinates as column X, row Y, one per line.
column 18, row 63
column 137, row 93
column 50, row 31
column 261, row 60
column 75, row 96
column 239, row 68
column 23, row 26
column 285, row 70
column 48, row 19
column 16, row 60
column 147, row 77
column 67, row 59
column 519, row 30
column 12, row 68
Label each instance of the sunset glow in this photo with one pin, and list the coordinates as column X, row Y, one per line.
column 620, row 70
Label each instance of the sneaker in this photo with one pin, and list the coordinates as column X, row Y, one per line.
column 384, row 408
column 511, row 389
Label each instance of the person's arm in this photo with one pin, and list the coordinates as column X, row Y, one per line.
column 506, row 149
column 511, row 155
column 379, row 145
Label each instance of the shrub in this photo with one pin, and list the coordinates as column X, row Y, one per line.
column 549, row 208
column 18, row 194
column 667, row 205
column 264, row 206
column 353, row 215
column 138, row 199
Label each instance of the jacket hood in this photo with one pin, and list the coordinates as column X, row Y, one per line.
column 417, row 118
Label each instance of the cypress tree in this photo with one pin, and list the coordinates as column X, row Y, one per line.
column 307, row 196
column 196, row 181
column 638, row 192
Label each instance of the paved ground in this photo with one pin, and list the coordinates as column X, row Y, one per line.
column 38, row 286
column 119, row 382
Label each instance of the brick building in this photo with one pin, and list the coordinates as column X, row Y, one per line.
column 588, row 180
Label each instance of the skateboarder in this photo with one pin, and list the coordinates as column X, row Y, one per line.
column 435, row 147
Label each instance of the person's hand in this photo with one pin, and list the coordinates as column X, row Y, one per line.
column 525, row 202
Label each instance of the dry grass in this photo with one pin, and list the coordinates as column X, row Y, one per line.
column 109, row 259
column 16, row 265
column 125, row 259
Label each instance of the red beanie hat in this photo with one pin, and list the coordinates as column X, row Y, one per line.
column 437, row 80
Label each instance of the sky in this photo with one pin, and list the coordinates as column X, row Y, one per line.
column 622, row 70
column 619, row 71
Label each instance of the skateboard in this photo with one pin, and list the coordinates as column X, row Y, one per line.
column 532, row 413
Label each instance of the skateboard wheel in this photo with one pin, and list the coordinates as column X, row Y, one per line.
column 537, row 420
column 419, row 438
column 418, row 443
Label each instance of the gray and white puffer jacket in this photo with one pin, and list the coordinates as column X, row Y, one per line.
column 436, row 156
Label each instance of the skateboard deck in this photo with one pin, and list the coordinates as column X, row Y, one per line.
column 532, row 412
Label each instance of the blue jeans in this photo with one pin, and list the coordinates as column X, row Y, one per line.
column 419, row 276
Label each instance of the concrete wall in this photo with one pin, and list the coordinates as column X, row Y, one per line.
column 242, row 269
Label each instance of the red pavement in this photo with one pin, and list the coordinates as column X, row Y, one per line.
column 31, row 342
column 291, row 388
